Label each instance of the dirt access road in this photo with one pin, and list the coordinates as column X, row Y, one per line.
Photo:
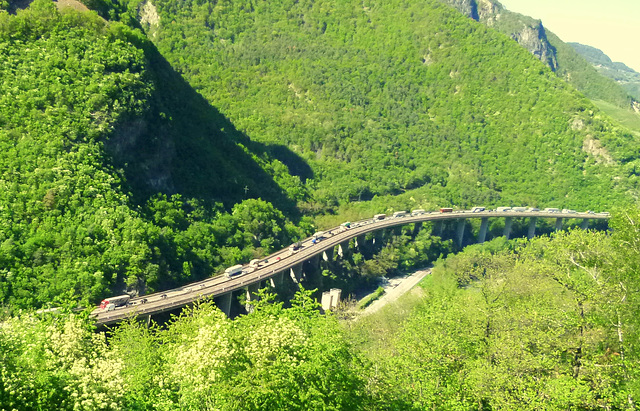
column 395, row 288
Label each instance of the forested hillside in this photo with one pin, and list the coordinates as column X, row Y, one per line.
column 547, row 324
column 382, row 98
column 627, row 77
column 155, row 143
column 117, row 176
column 550, row 324
column 548, row 48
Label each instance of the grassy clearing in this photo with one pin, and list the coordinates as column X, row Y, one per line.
column 374, row 333
column 366, row 301
column 627, row 118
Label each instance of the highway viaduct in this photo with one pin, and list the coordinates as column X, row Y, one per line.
column 275, row 267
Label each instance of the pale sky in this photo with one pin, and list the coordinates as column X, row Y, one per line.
column 612, row 26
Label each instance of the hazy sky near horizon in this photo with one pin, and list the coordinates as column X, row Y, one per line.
column 612, row 26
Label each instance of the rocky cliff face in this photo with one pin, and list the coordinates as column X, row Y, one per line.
column 534, row 39
column 467, row 7
column 529, row 33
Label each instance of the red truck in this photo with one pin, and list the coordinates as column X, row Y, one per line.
column 110, row 304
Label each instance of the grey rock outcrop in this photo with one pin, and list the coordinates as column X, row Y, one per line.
column 534, row 39
column 529, row 33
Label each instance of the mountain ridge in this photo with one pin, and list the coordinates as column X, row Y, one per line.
column 135, row 161
column 624, row 75
column 548, row 48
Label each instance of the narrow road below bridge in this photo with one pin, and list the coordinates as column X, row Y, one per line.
column 396, row 287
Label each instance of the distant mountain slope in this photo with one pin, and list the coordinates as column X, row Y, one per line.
column 627, row 77
column 548, row 48
column 384, row 98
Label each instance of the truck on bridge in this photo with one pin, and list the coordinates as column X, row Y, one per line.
column 233, row 270
column 110, row 304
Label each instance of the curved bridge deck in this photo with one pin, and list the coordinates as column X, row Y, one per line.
column 283, row 260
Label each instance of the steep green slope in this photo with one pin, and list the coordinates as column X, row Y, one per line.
column 547, row 47
column 89, row 138
column 627, row 77
column 384, row 98
column 579, row 73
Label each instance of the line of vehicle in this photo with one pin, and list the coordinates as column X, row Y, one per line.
column 280, row 261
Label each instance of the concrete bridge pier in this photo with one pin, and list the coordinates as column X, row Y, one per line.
column 460, row 231
column 343, row 249
column 508, row 221
column 437, row 228
column 416, row 228
column 312, row 273
column 360, row 242
column 532, row 228
column 296, row 273
column 585, row 224
column 314, row 262
column 224, row 303
column 378, row 241
column 327, row 255
column 251, row 293
column 484, row 225
column 558, row 223
column 276, row 280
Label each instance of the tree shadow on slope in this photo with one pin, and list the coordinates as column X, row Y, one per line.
column 185, row 145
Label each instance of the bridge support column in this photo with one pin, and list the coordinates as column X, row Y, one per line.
column 250, row 292
column 276, row 280
column 327, row 255
column 377, row 238
column 585, row 224
column 224, row 303
column 360, row 242
column 460, row 231
column 416, row 228
column 437, row 228
column 508, row 221
column 532, row 228
column 314, row 261
column 484, row 225
column 558, row 223
column 330, row 299
column 312, row 273
column 296, row 273
column 343, row 249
